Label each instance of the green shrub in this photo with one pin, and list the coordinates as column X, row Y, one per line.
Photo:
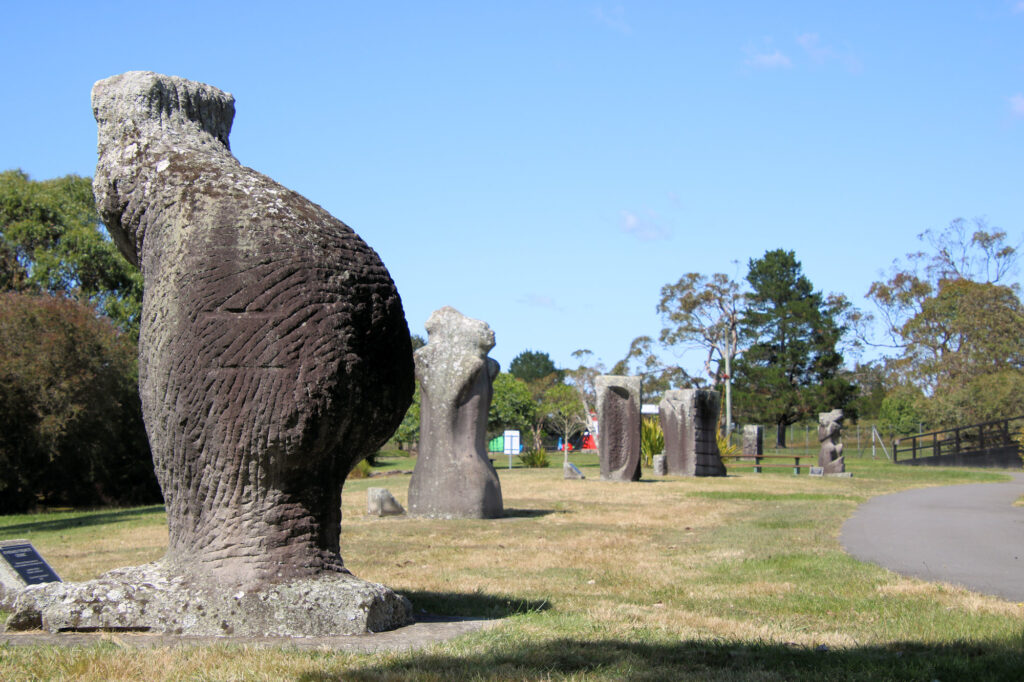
column 725, row 447
column 535, row 459
column 652, row 439
column 361, row 470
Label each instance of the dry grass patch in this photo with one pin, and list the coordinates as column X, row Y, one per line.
column 732, row 578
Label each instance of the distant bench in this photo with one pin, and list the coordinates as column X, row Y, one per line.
column 758, row 465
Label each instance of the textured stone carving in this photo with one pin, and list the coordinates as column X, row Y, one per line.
column 618, row 414
column 830, row 457
column 660, row 465
column 689, row 419
column 453, row 477
column 273, row 352
column 380, row 502
column 753, row 440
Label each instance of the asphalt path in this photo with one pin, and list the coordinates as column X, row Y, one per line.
column 969, row 535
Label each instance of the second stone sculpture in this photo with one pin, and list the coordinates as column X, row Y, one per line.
column 453, row 477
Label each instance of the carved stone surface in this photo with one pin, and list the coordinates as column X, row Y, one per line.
column 453, row 477
column 753, row 440
column 830, row 457
column 618, row 414
column 689, row 419
column 660, row 465
column 380, row 502
column 149, row 598
column 273, row 351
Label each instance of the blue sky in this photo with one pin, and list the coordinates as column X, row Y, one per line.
column 548, row 166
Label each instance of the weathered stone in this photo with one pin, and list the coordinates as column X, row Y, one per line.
column 660, row 465
column 689, row 420
column 830, row 457
column 453, row 477
column 618, row 413
column 753, row 440
column 149, row 598
column 273, row 351
column 571, row 471
column 380, row 502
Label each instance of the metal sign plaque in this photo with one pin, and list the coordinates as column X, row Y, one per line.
column 23, row 558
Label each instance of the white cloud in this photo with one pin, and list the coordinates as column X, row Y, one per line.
column 540, row 301
column 772, row 60
column 614, row 18
column 644, row 228
column 820, row 53
column 1017, row 104
column 811, row 42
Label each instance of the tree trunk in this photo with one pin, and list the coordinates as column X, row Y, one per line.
column 780, row 435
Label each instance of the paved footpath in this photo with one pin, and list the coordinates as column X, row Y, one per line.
column 969, row 535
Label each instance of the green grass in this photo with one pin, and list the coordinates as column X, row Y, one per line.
column 671, row 578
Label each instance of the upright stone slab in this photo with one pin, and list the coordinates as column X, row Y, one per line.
column 753, row 440
column 689, row 419
column 618, row 413
column 830, row 457
column 453, row 477
column 273, row 356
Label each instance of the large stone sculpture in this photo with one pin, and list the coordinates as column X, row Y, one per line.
column 618, row 413
column 830, row 457
column 273, row 357
column 689, row 419
column 453, row 477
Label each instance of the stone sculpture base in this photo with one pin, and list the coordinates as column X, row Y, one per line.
column 836, row 466
column 148, row 598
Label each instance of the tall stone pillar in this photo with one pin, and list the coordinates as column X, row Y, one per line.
column 689, row 419
column 453, row 477
column 830, row 457
column 618, row 415
column 753, row 440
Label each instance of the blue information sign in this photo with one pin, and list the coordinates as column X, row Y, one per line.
column 27, row 563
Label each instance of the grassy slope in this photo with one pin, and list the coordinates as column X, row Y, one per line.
column 734, row 578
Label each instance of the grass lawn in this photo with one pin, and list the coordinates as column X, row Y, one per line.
column 715, row 578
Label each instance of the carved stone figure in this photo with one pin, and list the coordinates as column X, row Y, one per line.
column 753, row 440
column 689, row 419
column 453, row 477
column 830, row 457
column 618, row 413
column 273, row 353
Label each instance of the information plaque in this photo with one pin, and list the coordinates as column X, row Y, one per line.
column 24, row 560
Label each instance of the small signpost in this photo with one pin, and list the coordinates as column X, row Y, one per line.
column 21, row 565
column 511, row 445
column 817, row 471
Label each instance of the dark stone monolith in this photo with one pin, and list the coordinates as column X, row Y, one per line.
column 273, row 357
column 689, row 419
column 618, row 414
column 830, row 457
column 453, row 477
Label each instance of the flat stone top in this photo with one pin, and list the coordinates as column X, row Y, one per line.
column 429, row 629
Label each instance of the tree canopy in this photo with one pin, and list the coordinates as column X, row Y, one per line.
column 52, row 241
column 71, row 428
column 958, row 329
column 705, row 312
column 531, row 365
column 790, row 369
